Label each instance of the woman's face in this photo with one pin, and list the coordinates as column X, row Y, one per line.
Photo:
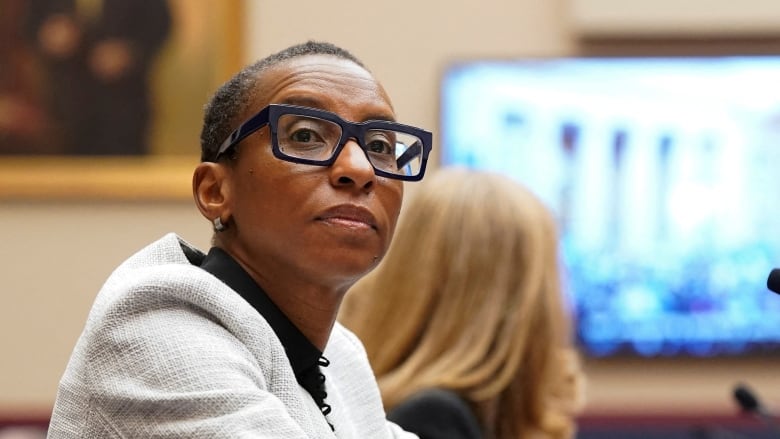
column 312, row 224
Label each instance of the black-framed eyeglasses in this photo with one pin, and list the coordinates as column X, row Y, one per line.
column 316, row 137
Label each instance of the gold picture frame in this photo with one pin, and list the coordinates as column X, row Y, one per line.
column 204, row 48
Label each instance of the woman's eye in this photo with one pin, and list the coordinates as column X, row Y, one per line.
column 379, row 147
column 381, row 142
column 303, row 135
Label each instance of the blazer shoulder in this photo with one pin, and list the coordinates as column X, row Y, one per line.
column 437, row 414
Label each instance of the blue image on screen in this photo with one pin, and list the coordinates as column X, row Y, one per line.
column 664, row 176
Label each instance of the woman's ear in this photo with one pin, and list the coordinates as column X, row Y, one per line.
column 211, row 189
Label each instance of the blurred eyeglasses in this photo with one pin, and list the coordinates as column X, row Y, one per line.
column 316, row 137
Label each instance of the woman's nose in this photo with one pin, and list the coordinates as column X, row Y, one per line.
column 352, row 166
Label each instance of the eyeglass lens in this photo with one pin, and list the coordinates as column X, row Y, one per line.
column 311, row 138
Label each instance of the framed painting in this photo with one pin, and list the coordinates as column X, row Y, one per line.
column 104, row 98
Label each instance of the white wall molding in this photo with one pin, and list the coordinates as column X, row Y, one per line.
column 675, row 18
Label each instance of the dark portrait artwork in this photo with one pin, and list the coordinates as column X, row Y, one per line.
column 96, row 56
column 110, row 78
column 113, row 88
column 23, row 118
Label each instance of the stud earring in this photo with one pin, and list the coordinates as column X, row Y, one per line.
column 218, row 226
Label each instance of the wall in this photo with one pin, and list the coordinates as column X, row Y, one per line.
column 54, row 257
column 56, row 254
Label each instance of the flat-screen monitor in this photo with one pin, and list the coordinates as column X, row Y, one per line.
column 664, row 176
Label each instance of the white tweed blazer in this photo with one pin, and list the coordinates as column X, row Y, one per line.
column 169, row 351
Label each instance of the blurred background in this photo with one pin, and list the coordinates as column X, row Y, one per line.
column 68, row 217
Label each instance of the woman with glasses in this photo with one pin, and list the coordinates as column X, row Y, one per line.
column 464, row 321
column 301, row 177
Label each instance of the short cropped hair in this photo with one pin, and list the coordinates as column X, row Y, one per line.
column 231, row 99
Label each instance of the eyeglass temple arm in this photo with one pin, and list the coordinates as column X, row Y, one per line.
column 250, row 126
column 413, row 151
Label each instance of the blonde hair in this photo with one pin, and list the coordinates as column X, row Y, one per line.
column 469, row 299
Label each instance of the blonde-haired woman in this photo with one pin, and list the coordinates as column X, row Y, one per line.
column 464, row 321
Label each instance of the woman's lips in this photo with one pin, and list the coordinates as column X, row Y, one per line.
column 350, row 216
